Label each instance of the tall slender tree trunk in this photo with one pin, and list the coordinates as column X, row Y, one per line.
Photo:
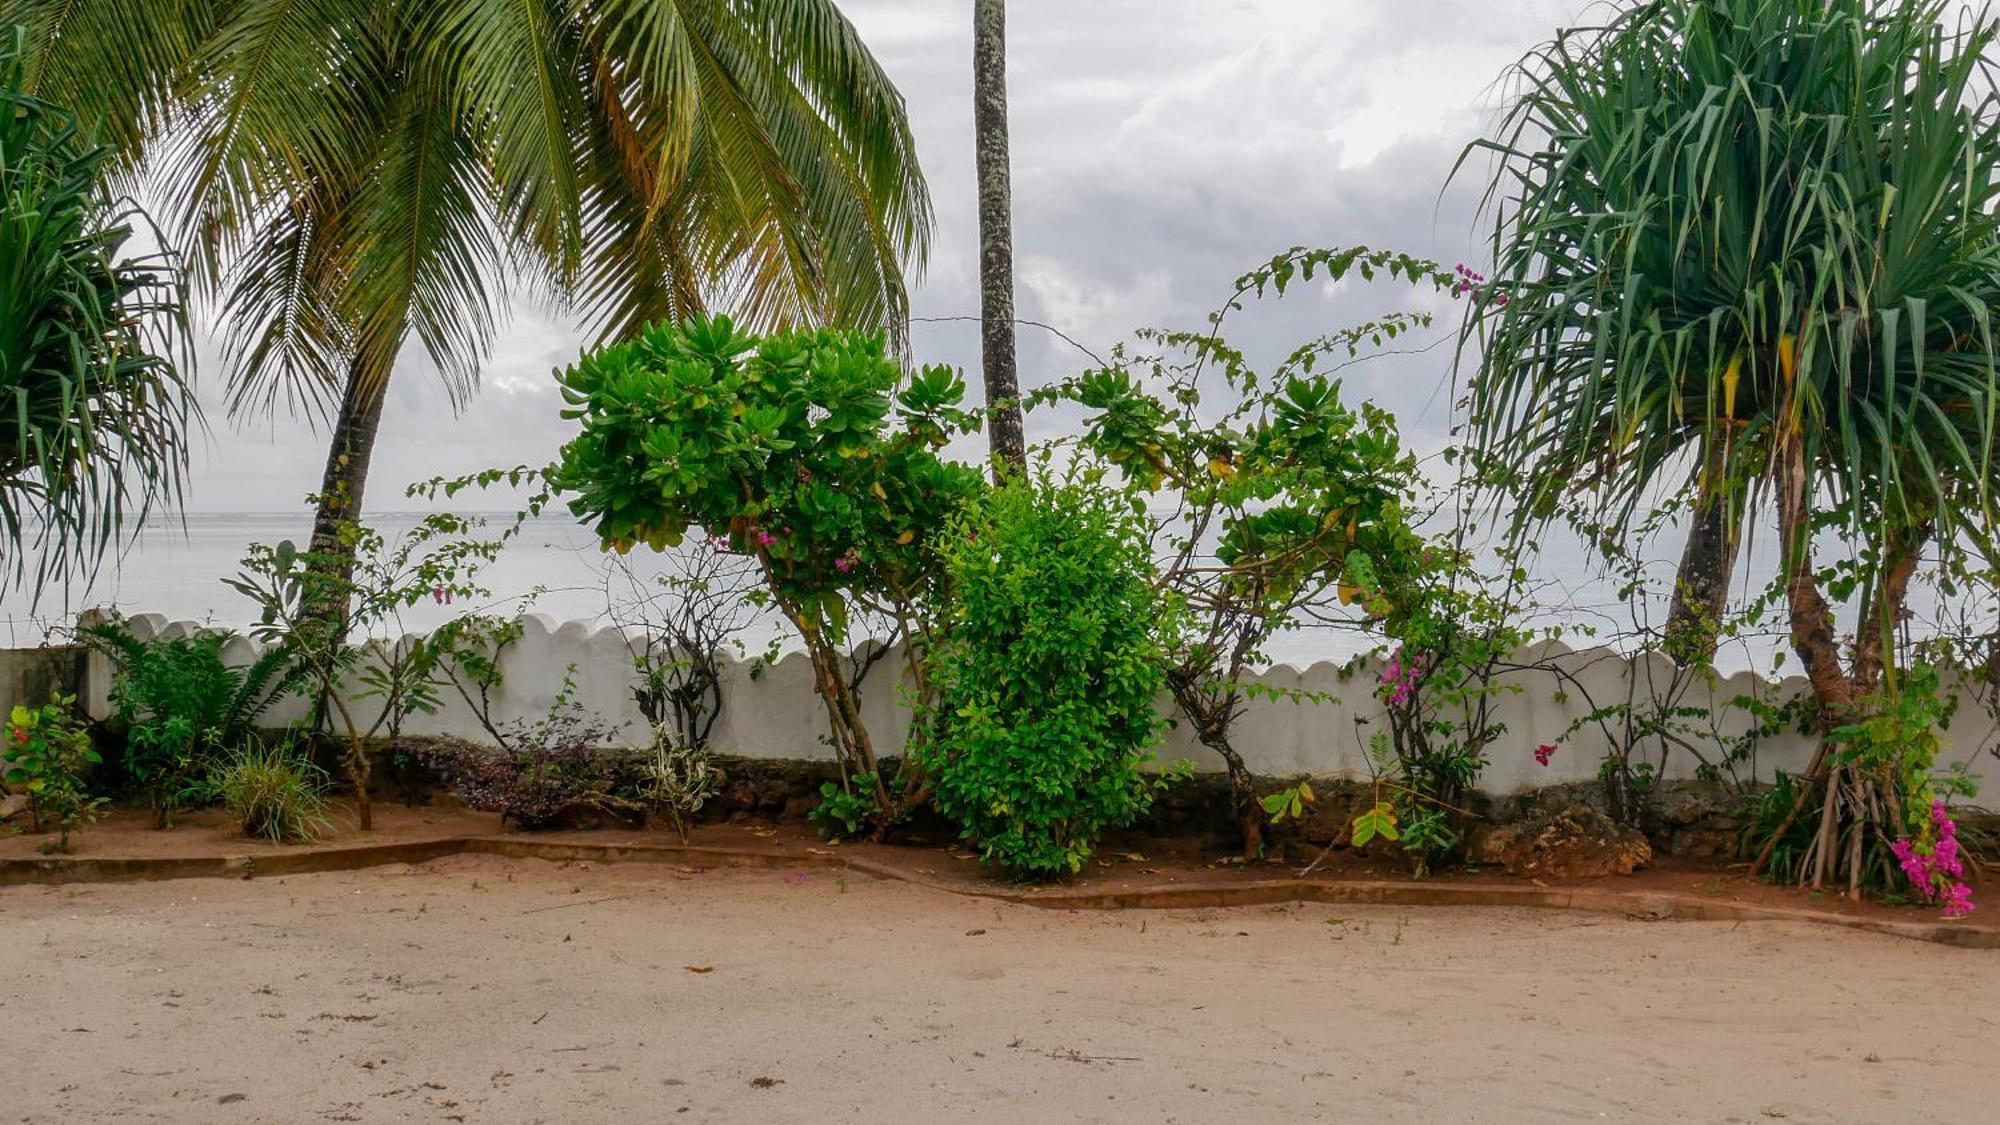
column 341, row 492
column 996, row 236
column 345, row 482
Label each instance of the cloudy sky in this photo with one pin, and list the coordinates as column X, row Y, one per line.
column 1161, row 147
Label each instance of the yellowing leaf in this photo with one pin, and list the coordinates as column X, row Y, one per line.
column 1221, row 468
column 907, row 538
column 1730, row 379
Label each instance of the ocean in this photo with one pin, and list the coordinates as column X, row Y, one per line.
column 176, row 566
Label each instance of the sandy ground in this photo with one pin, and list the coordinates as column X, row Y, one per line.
column 489, row 990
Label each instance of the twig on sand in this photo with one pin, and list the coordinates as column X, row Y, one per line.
column 1071, row 1054
column 567, row 905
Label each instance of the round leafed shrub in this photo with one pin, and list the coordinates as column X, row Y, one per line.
column 1046, row 684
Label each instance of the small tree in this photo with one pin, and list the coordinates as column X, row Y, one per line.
column 808, row 452
column 48, row 752
column 440, row 560
column 1277, row 499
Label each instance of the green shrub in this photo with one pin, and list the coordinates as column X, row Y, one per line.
column 47, row 754
column 1046, row 684
column 184, row 707
column 275, row 791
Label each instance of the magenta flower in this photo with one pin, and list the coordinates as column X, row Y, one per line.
column 1958, row 901
column 1544, row 752
column 1400, row 678
column 1936, row 869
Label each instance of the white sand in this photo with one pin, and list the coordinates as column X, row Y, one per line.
column 489, row 990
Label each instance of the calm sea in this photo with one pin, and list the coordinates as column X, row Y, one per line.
column 175, row 567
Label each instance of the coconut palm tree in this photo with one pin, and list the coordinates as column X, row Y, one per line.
column 95, row 408
column 996, row 236
column 351, row 177
column 1748, row 249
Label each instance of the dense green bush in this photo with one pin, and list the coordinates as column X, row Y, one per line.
column 184, row 707
column 1046, row 686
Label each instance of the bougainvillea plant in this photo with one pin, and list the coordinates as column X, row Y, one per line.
column 1934, row 862
column 1277, row 495
column 813, row 453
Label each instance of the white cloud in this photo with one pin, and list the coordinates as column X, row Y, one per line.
column 1160, row 148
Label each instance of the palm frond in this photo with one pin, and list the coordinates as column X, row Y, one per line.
column 94, row 409
column 1745, row 223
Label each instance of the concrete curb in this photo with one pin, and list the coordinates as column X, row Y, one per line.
column 1650, row 906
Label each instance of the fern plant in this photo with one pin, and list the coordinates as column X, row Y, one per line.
column 183, row 706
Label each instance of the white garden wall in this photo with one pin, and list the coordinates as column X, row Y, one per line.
column 773, row 713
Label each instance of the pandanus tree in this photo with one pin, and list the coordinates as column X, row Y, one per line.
column 351, row 177
column 93, row 407
column 1749, row 251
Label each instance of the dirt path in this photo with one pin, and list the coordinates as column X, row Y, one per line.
column 492, row 990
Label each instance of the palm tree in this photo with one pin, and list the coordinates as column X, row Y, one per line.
column 996, row 236
column 1749, row 248
column 352, row 176
column 96, row 411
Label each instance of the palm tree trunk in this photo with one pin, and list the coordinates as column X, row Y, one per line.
column 346, row 479
column 341, row 493
column 996, row 236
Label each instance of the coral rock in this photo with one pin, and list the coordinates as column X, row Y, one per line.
column 1574, row 842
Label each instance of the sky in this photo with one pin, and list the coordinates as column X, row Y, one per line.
column 1160, row 149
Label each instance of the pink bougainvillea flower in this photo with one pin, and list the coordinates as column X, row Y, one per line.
column 1936, row 869
column 1543, row 753
column 1958, row 901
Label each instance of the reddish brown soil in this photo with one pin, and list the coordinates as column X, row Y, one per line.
column 129, row 833
column 1126, row 872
